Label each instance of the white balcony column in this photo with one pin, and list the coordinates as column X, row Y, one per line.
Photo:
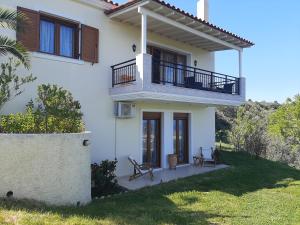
column 144, row 34
column 241, row 63
column 242, row 79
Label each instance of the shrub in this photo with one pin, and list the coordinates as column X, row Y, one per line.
column 104, row 180
column 60, row 111
column 249, row 129
column 57, row 112
column 19, row 123
column 283, row 151
column 285, row 122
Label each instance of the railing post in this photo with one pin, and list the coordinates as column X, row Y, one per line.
column 211, row 80
column 113, row 76
column 238, row 83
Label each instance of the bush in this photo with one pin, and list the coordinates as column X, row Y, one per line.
column 57, row 112
column 60, row 111
column 249, row 129
column 19, row 123
column 104, row 180
column 283, row 151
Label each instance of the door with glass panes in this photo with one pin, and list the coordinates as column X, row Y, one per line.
column 152, row 139
column 181, row 137
column 168, row 67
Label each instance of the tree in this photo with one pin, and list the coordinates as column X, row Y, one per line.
column 59, row 109
column 9, row 19
column 285, row 122
column 224, row 118
column 249, row 129
column 11, row 85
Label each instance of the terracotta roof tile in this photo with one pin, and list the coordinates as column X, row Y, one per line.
column 111, row 2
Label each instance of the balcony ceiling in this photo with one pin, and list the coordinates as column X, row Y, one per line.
column 178, row 25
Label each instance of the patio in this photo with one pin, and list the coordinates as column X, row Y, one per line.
column 166, row 175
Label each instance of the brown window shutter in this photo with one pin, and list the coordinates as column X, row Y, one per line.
column 29, row 29
column 89, row 44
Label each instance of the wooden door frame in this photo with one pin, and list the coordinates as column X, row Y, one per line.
column 177, row 117
column 154, row 116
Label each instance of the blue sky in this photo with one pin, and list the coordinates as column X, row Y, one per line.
column 272, row 65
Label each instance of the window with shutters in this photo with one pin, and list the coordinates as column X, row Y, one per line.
column 46, row 33
column 58, row 37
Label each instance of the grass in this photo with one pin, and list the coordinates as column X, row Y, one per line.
column 252, row 191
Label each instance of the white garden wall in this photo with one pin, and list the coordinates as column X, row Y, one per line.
column 52, row 168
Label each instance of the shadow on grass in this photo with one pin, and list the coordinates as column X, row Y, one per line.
column 123, row 210
column 152, row 205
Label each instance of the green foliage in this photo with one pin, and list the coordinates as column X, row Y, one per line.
column 57, row 112
column 285, row 122
column 224, row 120
column 19, row 123
column 249, row 129
column 104, row 178
column 10, row 83
column 265, row 129
column 61, row 112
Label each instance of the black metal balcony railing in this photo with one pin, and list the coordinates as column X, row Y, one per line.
column 124, row 72
column 164, row 72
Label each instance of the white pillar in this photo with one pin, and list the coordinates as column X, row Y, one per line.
column 167, row 138
column 241, row 63
column 144, row 34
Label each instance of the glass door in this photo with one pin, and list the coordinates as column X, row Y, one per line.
column 151, row 139
column 168, row 67
column 181, row 68
column 181, row 137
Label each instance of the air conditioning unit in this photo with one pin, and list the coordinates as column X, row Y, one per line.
column 125, row 110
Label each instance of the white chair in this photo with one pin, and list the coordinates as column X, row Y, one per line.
column 208, row 156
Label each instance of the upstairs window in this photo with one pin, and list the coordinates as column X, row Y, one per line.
column 46, row 33
column 67, row 41
column 47, row 37
column 58, row 37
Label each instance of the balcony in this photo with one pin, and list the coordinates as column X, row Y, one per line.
column 147, row 78
column 168, row 73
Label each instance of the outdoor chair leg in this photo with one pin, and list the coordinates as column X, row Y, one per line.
column 151, row 175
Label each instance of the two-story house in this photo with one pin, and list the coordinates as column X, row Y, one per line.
column 143, row 71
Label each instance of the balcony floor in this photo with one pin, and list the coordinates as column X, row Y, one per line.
column 166, row 175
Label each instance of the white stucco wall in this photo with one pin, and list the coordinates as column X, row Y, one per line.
column 52, row 168
column 90, row 84
column 202, row 132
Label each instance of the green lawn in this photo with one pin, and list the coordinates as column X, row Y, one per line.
column 250, row 192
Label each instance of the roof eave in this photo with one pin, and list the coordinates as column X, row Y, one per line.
column 137, row 3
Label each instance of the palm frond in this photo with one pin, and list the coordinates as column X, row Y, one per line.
column 8, row 46
column 9, row 18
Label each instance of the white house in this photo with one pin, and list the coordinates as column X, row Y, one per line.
column 147, row 62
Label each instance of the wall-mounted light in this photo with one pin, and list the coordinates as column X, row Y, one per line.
column 86, row 143
column 134, row 47
column 195, row 63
